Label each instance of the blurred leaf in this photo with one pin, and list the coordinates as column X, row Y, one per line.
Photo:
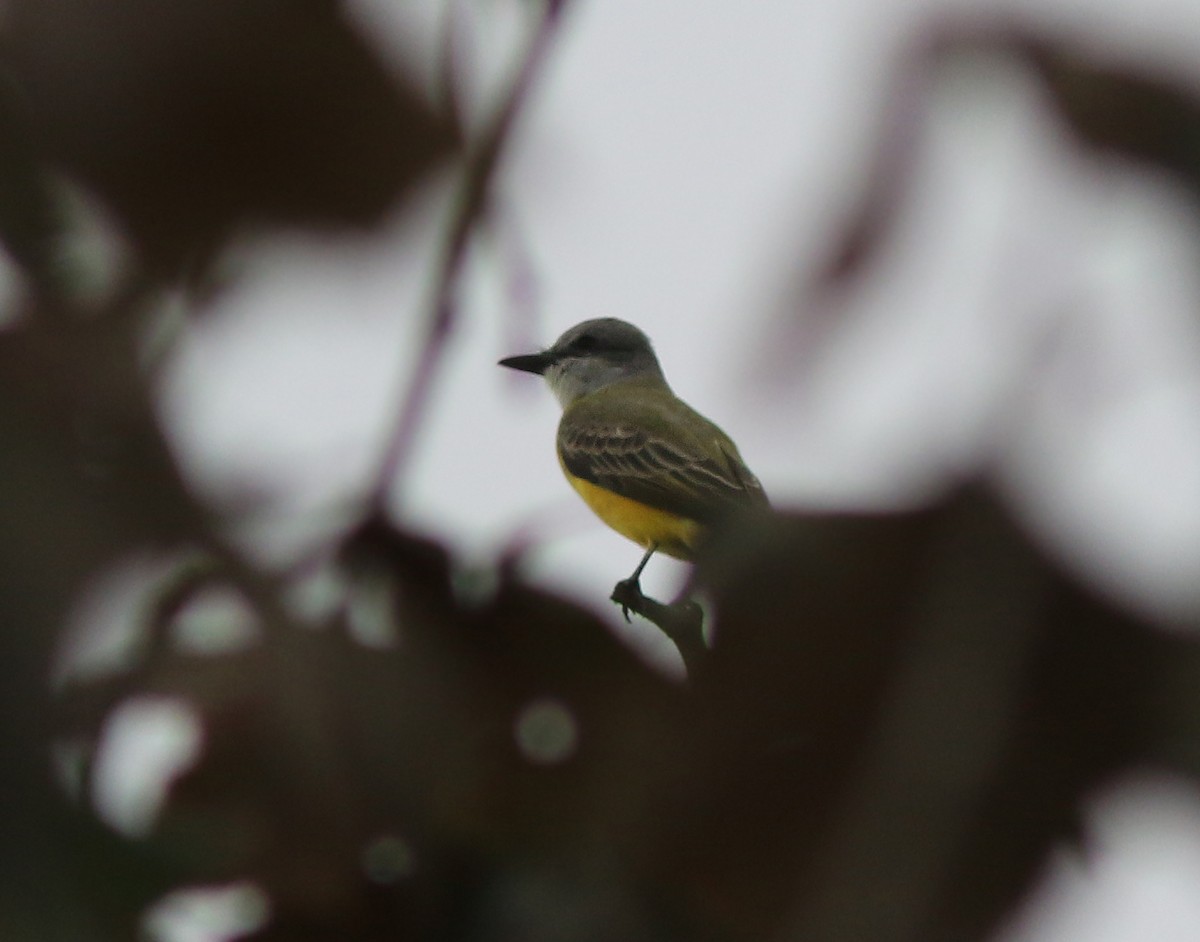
column 85, row 478
column 192, row 118
column 30, row 217
column 1141, row 115
column 899, row 718
column 939, row 695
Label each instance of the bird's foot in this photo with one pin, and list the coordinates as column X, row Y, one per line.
column 628, row 594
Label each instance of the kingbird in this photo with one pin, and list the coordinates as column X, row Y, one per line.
column 648, row 464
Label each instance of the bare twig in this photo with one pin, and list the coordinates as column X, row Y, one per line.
column 470, row 208
column 682, row 621
column 450, row 78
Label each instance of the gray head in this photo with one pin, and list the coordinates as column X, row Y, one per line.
column 590, row 356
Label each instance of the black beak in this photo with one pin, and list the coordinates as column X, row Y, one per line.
column 529, row 363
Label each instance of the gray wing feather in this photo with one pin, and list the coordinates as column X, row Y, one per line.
column 694, row 482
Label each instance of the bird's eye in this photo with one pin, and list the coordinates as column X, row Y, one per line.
column 585, row 342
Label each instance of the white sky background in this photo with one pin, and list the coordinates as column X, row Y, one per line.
column 677, row 168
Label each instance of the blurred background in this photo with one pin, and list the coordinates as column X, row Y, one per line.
column 307, row 638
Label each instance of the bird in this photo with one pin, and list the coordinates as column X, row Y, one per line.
column 648, row 465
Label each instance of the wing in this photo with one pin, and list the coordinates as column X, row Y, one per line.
column 669, row 459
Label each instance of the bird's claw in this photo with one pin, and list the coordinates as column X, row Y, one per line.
column 628, row 594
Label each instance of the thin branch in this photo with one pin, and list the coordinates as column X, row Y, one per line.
column 682, row 621
column 450, row 78
column 471, row 206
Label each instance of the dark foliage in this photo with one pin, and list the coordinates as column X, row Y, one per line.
column 194, row 117
column 899, row 714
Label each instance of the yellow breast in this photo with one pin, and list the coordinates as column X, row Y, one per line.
column 674, row 535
